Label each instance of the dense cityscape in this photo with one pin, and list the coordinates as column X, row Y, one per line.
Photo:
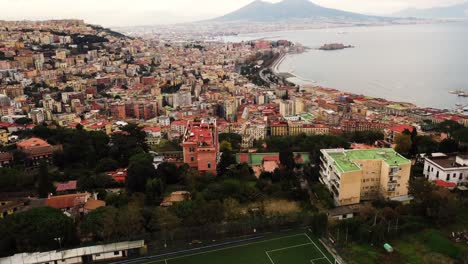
column 117, row 146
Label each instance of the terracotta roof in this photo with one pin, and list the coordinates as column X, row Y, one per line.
column 92, row 204
column 66, row 186
column 445, row 184
column 4, row 156
column 32, row 143
column 67, row 201
column 401, row 128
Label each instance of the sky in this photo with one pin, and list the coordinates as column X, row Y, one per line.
column 115, row 13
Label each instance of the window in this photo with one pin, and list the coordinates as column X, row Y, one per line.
column 428, row 168
column 437, row 175
column 192, row 159
column 116, row 253
column 209, row 165
column 448, row 177
column 461, row 176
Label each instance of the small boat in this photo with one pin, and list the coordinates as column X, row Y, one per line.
column 463, row 94
column 456, row 92
column 459, row 105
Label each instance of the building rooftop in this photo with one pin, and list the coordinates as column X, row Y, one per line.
column 346, row 160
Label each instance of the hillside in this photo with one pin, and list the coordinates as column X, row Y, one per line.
column 455, row 11
column 286, row 10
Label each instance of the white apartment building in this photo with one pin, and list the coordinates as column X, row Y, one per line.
column 451, row 169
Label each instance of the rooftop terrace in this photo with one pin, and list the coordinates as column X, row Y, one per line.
column 346, row 160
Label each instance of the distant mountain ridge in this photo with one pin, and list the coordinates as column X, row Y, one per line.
column 287, row 9
column 454, row 11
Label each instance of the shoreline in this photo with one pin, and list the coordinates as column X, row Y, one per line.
column 296, row 79
column 289, row 76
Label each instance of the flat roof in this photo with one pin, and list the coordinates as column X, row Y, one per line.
column 345, row 160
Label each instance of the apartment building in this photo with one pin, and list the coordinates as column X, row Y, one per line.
column 451, row 169
column 201, row 146
column 357, row 175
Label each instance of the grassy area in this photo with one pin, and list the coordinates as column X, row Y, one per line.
column 429, row 246
column 415, row 248
column 293, row 248
column 360, row 254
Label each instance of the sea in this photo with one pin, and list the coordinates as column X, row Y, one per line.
column 419, row 63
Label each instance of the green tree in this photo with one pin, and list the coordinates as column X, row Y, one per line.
column 448, row 127
column 287, row 159
column 37, row 229
column 44, row 184
column 106, row 164
column 403, row 144
column 165, row 221
column 448, row 146
column 140, row 169
column 23, row 121
column 225, row 146
column 99, row 224
column 425, row 145
column 233, row 138
column 227, row 159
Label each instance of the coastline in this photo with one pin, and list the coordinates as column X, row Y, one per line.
column 288, row 75
column 298, row 80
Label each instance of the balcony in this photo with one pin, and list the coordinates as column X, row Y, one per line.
column 322, row 160
column 335, row 191
column 335, row 183
column 322, row 174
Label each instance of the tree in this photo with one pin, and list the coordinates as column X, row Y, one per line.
column 165, row 221
column 425, row 145
column 169, row 173
column 233, row 138
column 448, row 146
column 100, row 224
column 448, row 127
column 23, row 121
column 141, row 169
column 225, row 146
column 461, row 135
column 403, row 144
column 44, row 185
column 106, row 165
column 287, row 159
column 36, row 230
column 227, row 159
column 319, row 224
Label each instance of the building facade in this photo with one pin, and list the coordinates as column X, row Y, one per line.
column 353, row 176
column 451, row 169
column 200, row 145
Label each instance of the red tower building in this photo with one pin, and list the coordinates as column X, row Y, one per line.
column 201, row 146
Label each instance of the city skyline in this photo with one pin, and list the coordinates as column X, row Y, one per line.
column 117, row 13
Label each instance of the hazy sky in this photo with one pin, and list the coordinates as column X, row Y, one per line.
column 147, row 12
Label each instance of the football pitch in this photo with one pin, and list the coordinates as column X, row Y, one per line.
column 297, row 248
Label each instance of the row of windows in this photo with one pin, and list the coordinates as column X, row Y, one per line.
column 454, row 175
column 372, row 179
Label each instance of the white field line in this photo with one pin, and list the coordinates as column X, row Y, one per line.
column 279, row 249
column 272, row 262
column 325, row 256
column 313, row 260
column 225, row 248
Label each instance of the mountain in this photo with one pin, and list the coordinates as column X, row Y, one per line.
column 287, row 9
column 455, row 11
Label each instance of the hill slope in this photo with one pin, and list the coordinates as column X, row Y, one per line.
column 455, row 11
column 287, row 9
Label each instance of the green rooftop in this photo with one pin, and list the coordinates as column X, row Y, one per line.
column 307, row 116
column 346, row 160
column 257, row 158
